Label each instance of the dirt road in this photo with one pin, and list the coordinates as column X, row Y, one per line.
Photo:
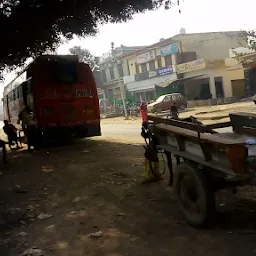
column 95, row 185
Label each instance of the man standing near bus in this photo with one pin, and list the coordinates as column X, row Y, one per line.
column 26, row 116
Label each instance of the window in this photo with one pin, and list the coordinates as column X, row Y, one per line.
column 20, row 91
column 219, row 87
column 159, row 62
column 10, row 96
column 103, row 75
column 111, row 72
column 63, row 72
column 14, row 94
column 17, row 93
column 176, row 97
column 144, row 67
column 137, row 68
column 168, row 60
column 120, row 70
column 167, row 98
column 152, row 65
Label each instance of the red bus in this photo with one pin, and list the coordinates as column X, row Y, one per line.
column 62, row 93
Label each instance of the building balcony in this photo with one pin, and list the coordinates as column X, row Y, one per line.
column 149, row 74
column 114, row 81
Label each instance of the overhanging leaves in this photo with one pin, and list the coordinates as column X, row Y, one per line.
column 31, row 27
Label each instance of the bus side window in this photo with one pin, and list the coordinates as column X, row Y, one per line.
column 17, row 93
column 20, row 91
column 29, row 85
column 14, row 94
column 10, row 96
column 27, row 88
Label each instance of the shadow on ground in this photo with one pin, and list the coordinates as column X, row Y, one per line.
column 94, row 185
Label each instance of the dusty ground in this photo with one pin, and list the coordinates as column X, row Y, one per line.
column 95, row 185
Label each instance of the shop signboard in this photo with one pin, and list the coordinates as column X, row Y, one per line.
column 165, row 71
column 170, row 49
column 145, row 57
column 191, row 66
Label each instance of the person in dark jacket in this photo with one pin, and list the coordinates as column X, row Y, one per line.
column 174, row 111
column 11, row 131
column 26, row 116
column 2, row 145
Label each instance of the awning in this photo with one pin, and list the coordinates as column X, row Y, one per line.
column 178, row 81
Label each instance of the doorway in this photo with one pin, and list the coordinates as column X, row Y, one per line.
column 219, row 87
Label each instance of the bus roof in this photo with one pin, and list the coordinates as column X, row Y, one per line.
column 48, row 57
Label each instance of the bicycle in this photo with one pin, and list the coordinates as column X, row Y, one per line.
column 134, row 113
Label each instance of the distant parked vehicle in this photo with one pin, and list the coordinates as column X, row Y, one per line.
column 254, row 99
column 165, row 102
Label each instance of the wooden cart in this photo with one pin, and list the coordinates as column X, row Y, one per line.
column 206, row 161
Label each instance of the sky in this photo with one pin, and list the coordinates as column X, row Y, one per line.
column 149, row 27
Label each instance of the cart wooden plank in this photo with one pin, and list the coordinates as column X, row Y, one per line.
column 219, row 125
column 180, row 123
column 211, row 138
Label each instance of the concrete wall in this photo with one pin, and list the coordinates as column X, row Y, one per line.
column 211, row 45
column 206, row 45
column 233, row 63
column 233, row 52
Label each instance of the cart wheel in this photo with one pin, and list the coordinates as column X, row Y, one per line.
column 194, row 195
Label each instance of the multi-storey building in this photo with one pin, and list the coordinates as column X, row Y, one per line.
column 113, row 68
column 193, row 64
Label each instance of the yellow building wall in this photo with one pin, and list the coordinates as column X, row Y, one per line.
column 229, row 62
column 131, row 63
column 236, row 74
column 158, row 50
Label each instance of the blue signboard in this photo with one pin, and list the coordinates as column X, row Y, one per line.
column 156, row 73
column 164, row 71
column 170, row 49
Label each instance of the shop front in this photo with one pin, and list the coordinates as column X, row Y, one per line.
column 144, row 86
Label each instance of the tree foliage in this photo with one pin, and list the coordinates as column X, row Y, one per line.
column 250, row 57
column 84, row 55
column 32, row 27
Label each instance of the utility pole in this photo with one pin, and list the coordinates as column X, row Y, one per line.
column 119, row 80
